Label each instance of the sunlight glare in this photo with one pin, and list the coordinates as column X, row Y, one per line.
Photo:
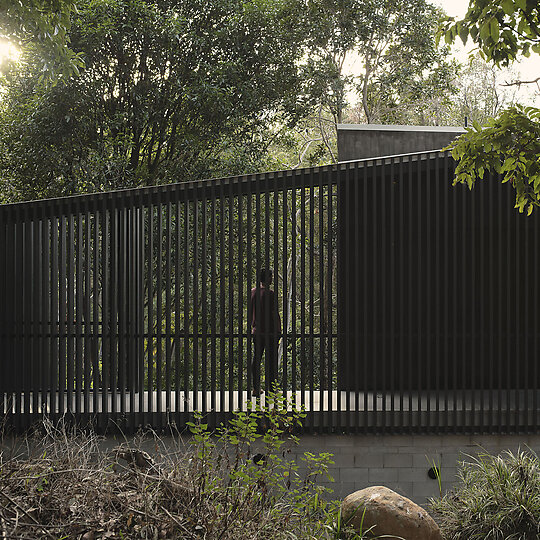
column 8, row 51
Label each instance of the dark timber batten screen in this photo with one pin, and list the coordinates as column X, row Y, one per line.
column 408, row 305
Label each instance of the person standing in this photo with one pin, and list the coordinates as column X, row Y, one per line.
column 265, row 330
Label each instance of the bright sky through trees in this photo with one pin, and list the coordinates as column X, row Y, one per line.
column 526, row 70
column 8, row 51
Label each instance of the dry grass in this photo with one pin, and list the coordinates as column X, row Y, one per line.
column 67, row 486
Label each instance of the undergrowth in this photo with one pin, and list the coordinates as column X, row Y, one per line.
column 240, row 483
column 496, row 498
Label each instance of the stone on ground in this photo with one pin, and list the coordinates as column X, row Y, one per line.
column 389, row 514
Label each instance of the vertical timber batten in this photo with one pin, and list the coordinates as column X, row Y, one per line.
column 400, row 307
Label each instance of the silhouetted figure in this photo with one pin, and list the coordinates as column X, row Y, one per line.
column 265, row 329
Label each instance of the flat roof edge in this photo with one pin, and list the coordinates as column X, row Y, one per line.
column 390, row 127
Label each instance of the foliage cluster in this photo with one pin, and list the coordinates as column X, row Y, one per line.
column 168, row 91
column 497, row 498
column 43, row 26
column 504, row 146
column 508, row 144
column 503, row 30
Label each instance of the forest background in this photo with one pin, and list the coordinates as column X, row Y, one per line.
column 108, row 94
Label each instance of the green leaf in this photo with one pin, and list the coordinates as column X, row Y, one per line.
column 508, row 6
column 494, row 29
column 485, row 31
column 464, row 35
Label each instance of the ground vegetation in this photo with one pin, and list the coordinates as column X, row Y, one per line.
column 237, row 483
column 496, row 498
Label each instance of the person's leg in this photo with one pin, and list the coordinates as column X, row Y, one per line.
column 272, row 362
column 258, row 349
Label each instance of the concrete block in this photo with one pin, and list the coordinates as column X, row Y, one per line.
column 354, row 474
column 382, row 476
column 362, row 485
column 412, row 475
column 342, row 489
column 449, row 474
column 450, row 459
column 427, row 440
column 424, row 460
column 534, row 443
column 410, row 449
column 343, row 460
column 367, row 441
column 310, row 442
column 423, row 450
column 493, row 441
column 397, row 440
column 404, row 488
column 398, row 460
column 369, row 460
column 385, row 450
column 456, row 441
column 425, row 489
column 336, row 441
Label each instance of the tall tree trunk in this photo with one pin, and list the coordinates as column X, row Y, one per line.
column 365, row 85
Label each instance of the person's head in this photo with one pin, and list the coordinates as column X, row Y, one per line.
column 265, row 276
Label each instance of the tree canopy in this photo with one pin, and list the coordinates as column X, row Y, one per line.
column 168, row 91
column 368, row 61
column 508, row 144
column 393, row 42
column 42, row 25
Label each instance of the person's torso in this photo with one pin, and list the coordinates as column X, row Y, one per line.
column 263, row 310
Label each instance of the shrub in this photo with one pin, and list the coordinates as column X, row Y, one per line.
column 236, row 484
column 497, row 498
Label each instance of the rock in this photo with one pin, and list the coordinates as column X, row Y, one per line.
column 389, row 514
column 136, row 458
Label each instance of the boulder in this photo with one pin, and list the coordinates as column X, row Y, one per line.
column 389, row 514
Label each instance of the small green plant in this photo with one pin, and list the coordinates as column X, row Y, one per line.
column 436, row 468
column 497, row 498
column 340, row 528
column 245, row 467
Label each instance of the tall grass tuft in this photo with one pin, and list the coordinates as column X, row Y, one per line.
column 497, row 498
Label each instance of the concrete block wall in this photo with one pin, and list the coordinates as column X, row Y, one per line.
column 401, row 462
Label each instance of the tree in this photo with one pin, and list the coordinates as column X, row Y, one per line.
column 509, row 144
column 170, row 91
column 42, row 25
column 393, row 42
column 480, row 95
column 399, row 63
